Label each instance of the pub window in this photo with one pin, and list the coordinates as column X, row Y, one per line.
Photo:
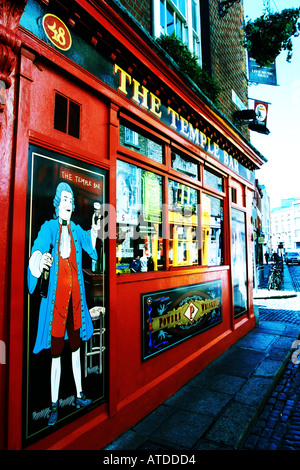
column 179, row 17
column 139, row 219
column 239, row 258
column 131, row 137
column 213, row 180
column 67, row 116
column 183, row 223
column 141, row 143
column 184, row 165
column 195, row 28
column 237, row 193
column 234, row 195
column 213, row 233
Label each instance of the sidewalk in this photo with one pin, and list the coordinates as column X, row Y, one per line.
column 287, row 288
column 218, row 408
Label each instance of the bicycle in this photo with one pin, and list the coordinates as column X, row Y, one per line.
column 275, row 279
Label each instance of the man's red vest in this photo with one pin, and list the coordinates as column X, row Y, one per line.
column 67, row 286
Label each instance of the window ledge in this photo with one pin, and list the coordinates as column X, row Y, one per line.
column 173, row 272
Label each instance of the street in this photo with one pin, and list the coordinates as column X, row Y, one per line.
column 278, row 425
column 281, row 309
column 295, row 273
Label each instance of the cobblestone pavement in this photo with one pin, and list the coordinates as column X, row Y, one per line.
column 295, row 274
column 278, row 425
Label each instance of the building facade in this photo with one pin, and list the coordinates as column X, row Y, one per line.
column 266, row 222
column 132, row 193
column 286, row 225
column 262, row 232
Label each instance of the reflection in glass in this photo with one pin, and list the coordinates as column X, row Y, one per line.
column 140, row 143
column 212, row 226
column 185, row 165
column 213, row 180
column 170, row 20
column 162, row 17
column 139, row 220
column 183, row 220
column 239, row 265
column 181, row 7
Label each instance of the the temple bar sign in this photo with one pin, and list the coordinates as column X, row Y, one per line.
column 144, row 98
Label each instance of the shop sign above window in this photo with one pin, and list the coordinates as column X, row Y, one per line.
column 122, row 81
column 144, row 98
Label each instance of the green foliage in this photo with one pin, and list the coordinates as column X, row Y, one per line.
column 269, row 34
column 188, row 63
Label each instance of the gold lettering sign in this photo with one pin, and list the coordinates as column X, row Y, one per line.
column 188, row 313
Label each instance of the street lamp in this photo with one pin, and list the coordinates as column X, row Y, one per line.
column 248, row 117
column 225, row 5
column 258, row 126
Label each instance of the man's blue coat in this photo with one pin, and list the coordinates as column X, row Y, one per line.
column 49, row 233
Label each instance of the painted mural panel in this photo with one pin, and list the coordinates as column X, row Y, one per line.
column 65, row 341
column 172, row 316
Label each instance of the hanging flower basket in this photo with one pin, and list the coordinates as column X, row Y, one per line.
column 269, row 34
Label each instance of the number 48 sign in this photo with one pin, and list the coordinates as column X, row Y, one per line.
column 57, row 32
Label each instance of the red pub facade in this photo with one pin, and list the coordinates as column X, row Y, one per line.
column 160, row 233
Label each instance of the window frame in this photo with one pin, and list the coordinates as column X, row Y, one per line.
column 142, row 134
column 216, row 195
column 139, row 167
column 168, row 174
column 190, row 36
column 68, row 115
column 131, row 138
column 171, row 179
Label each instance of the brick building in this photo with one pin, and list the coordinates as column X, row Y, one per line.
column 220, row 48
column 228, row 58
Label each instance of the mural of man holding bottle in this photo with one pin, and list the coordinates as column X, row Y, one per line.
column 63, row 313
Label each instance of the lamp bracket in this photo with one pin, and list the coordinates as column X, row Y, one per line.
column 225, row 5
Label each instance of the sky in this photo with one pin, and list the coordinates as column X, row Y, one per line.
column 281, row 174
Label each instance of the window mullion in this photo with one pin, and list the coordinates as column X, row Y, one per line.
column 156, row 18
column 168, row 18
column 190, row 23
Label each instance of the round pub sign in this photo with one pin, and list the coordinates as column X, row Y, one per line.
column 57, row 32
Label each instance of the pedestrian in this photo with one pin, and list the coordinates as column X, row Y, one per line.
column 267, row 257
